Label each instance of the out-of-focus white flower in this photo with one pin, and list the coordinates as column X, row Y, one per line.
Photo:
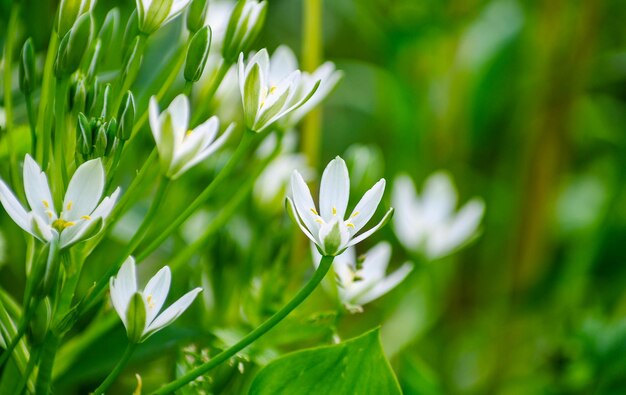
column 328, row 228
column 362, row 280
column 217, row 18
column 139, row 310
column 153, row 14
column 429, row 224
column 272, row 89
column 179, row 147
column 80, row 216
column 270, row 188
column 244, row 25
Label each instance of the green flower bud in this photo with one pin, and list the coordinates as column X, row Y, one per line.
column 79, row 98
column 130, row 33
column 69, row 12
column 152, row 14
column 100, row 145
column 111, row 136
column 109, row 27
column 197, row 54
column 27, row 68
column 135, row 318
column 196, row 14
column 133, row 60
column 243, row 28
column 73, row 46
column 95, row 60
column 126, row 115
column 85, row 134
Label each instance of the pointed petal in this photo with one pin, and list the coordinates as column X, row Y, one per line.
column 376, row 262
column 450, row 237
column 304, row 202
column 367, row 206
column 408, row 224
column 367, row 234
column 439, row 197
column 106, row 206
column 40, row 228
column 179, row 110
column 83, row 230
column 84, row 191
column 386, row 284
column 14, row 208
column 173, row 312
column 291, row 210
column 156, row 292
column 38, row 191
column 123, row 286
column 334, row 190
column 155, row 124
column 282, row 63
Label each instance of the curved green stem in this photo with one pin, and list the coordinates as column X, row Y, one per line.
column 215, row 83
column 132, row 245
column 247, row 142
column 59, row 130
column 45, row 103
column 117, row 370
column 318, row 276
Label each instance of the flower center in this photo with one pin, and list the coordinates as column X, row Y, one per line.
column 61, row 224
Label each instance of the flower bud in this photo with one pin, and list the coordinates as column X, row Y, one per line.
column 152, row 14
column 133, row 60
column 111, row 128
column 27, row 68
column 100, row 145
column 69, row 12
column 135, row 318
column 130, row 33
column 109, row 27
column 126, row 115
column 243, row 28
column 85, row 134
column 196, row 15
column 197, row 54
column 73, row 46
column 79, row 98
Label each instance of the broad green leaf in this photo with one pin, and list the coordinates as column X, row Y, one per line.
column 357, row 366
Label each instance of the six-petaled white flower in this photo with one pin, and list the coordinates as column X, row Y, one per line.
column 328, row 228
column 268, row 92
column 362, row 280
column 179, row 147
column 80, row 217
column 429, row 224
column 153, row 14
column 139, row 310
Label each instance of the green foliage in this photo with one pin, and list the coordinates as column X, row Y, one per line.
column 356, row 366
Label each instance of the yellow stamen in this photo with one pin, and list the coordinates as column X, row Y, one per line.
column 188, row 133
column 349, row 225
column 61, row 224
column 272, row 89
column 85, row 217
column 355, row 214
column 150, row 302
column 49, row 214
column 69, row 205
column 45, row 203
column 334, row 211
column 319, row 221
column 314, row 211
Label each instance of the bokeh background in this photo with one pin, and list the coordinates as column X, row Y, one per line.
column 523, row 102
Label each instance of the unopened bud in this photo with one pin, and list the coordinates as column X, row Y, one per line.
column 126, row 115
column 84, row 135
column 244, row 26
column 27, row 68
column 100, row 145
column 111, row 136
column 196, row 14
column 197, row 54
column 109, row 27
column 133, row 60
column 73, row 46
column 69, row 12
column 79, row 99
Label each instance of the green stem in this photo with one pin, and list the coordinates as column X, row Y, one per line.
column 226, row 212
column 247, row 142
column 45, row 103
column 207, row 96
column 127, row 80
column 44, row 377
column 59, row 131
column 32, row 120
column 318, row 276
column 117, row 370
column 132, row 245
column 8, row 89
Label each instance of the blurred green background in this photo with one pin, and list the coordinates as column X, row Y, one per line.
column 524, row 103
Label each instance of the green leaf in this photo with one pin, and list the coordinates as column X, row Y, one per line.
column 357, row 366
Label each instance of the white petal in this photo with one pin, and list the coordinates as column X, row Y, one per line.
column 106, row 206
column 173, row 312
column 334, row 190
column 123, row 287
column 376, row 261
column 179, row 109
column 282, row 63
column 84, row 191
column 446, row 239
column 83, row 229
column 40, row 228
column 367, row 206
column 155, row 124
column 14, row 208
column 304, row 202
column 177, row 7
column 291, row 209
column 386, row 285
column 157, row 290
column 407, row 223
column 439, row 197
column 367, row 234
column 37, row 190
column 207, row 151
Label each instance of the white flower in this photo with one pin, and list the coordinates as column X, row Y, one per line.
column 139, row 310
column 244, row 25
column 271, row 89
column 362, row 280
column 80, row 217
column 429, row 224
column 153, row 14
column 328, row 228
column 179, row 147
